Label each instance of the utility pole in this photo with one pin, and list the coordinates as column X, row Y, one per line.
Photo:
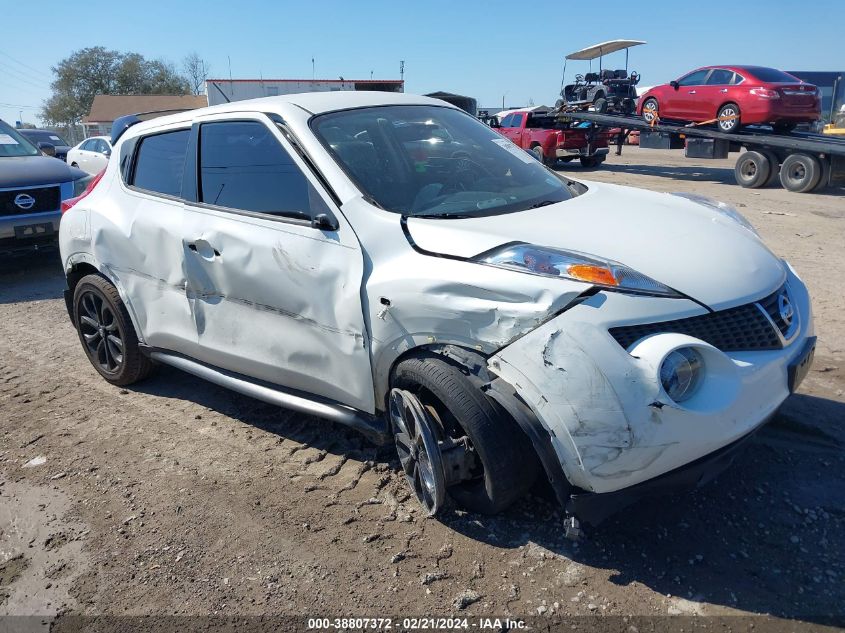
column 402, row 70
column 231, row 84
column 313, row 69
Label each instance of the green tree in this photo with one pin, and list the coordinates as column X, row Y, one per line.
column 96, row 70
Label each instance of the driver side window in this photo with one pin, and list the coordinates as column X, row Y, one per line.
column 694, row 79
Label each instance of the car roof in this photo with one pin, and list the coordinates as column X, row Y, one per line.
column 311, row 102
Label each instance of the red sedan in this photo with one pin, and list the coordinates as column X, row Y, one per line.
column 736, row 96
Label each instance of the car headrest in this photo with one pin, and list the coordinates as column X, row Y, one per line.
column 607, row 74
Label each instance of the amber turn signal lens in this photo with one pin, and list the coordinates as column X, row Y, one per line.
column 593, row 274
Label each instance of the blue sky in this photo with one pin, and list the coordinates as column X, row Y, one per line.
column 482, row 49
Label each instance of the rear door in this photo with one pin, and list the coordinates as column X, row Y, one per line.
column 272, row 296
column 716, row 92
column 142, row 243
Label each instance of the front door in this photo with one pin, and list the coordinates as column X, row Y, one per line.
column 686, row 100
column 272, row 296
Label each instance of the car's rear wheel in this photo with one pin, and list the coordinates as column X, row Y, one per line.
column 600, row 105
column 106, row 332
column 752, row 170
column 800, row 173
column 591, row 162
column 453, row 440
column 728, row 118
column 650, row 110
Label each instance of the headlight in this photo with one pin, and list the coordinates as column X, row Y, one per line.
column 552, row 262
column 728, row 210
column 680, row 373
column 80, row 185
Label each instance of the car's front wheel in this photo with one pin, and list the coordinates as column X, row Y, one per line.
column 728, row 118
column 452, row 440
column 106, row 332
column 650, row 110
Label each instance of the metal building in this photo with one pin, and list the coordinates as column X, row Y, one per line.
column 225, row 90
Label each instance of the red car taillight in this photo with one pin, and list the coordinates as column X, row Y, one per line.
column 67, row 204
column 765, row 93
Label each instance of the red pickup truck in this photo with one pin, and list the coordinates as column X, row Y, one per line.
column 551, row 141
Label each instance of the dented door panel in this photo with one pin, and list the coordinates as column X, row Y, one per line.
column 278, row 301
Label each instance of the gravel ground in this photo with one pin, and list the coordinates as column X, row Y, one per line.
column 176, row 497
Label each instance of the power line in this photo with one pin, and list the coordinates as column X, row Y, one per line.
column 17, row 61
column 19, row 106
column 20, row 76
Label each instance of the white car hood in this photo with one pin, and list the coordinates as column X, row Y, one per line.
column 680, row 243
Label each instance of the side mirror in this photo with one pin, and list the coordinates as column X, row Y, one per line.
column 325, row 222
column 674, row 84
column 107, row 153
column 48, row 149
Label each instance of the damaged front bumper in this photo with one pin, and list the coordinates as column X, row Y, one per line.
column 602, row 411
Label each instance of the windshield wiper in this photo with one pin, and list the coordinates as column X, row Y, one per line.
column 543, row 203
column 450, row 216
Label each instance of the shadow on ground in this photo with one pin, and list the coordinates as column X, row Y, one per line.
column 31, row 277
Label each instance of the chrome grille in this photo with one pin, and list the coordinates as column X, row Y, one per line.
column 741, row 329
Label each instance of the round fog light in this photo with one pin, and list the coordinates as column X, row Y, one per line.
column 680, row 373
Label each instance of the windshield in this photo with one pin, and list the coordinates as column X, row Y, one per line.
column 770, row 75
column 436, row 162
column 44, row 136
column 13, row 144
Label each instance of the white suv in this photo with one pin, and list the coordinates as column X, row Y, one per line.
column 496, row 319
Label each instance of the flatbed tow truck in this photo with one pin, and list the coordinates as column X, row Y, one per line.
column 802, row 161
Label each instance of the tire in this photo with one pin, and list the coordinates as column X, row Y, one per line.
column 783, row 127
column 774, row 166
column 825, row 174
column 752, row 170
column 600, row 105
column 101, row 317
column 509, row 465
column 732, row 125
column 800, row 173
column 649, row 106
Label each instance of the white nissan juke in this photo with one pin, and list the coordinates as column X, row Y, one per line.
column 388, row 262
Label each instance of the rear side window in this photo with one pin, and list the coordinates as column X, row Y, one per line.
column 160, row 162
column 720, row 77
column 243, row 167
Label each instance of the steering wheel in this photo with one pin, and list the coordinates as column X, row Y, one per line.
column 467, row 172
column 635, row 77
column 579, row 78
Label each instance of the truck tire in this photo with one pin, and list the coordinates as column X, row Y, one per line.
column 507, row 464
column 730, row 125
column 106, row 332
column 752, row 170
column 825, row 174
column 774, row 166
column 800, row 173
column 591, row 162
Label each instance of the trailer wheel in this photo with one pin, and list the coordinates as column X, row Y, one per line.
column 800, row 173
column 825, row 174
column 752, row 170
column 600, row 105
column 774, row 163
column 591, row 162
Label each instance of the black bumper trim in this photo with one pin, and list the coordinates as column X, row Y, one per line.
column 593, row 508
